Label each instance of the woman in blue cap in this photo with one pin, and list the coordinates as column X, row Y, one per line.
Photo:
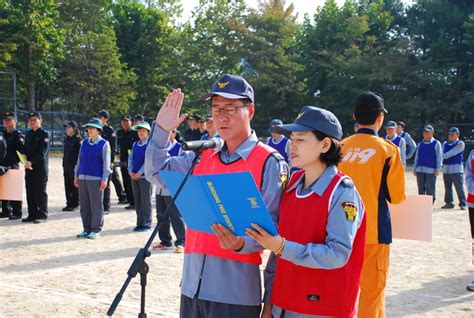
column 321, row 238
column 141, row 187
column 91, row 174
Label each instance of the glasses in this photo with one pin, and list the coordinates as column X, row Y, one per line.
column 227, row 110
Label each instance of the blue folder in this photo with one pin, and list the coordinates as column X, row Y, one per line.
column 231, row 199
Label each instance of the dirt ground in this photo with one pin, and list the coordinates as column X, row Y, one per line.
column 46, row 271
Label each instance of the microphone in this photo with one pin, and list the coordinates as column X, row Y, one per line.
column 198, row 145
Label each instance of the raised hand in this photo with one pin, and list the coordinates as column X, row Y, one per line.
column 168, row 117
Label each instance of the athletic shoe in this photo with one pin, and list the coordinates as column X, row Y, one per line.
column 162, row 247
column 82, row 235
column 123, row 201
column 470, row 287
column 69, row 208
column 179, row 249
column 106, row 212
column 143, row 229
column 130, row 207
column 27, row 220
column 448, row 206
column 93, row 235
column 38, row 221
column 14, row 217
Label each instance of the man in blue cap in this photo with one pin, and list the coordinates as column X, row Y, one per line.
column 278, row 141
column 453, row 171
column 428, row 161
column 410, row 143
column 221, row 278
column 391, row 128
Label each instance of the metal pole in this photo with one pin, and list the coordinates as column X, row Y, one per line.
column 14, row 95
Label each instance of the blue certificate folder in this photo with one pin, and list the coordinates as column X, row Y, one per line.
column 231, row 199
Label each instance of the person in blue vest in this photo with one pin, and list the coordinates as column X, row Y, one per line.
column 211, row 129
column 453, row 171
column 141, row 187
column 90, row 176
column 391, row 128
column 278, row 141
column 428, row 160
column 173, row 217
column 410, row 143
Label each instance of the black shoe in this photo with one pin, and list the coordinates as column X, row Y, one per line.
column 27, row 220
column 69, row 208
column 38, row 221
column 123, row 201
column 448, row 206
column 14, row 217
column 4, row 215
column 130, row 207
column 462, row 207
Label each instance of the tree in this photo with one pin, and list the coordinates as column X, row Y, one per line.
column 33, row 42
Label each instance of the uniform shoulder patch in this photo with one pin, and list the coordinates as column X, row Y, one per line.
column 350, row 209
column 347, row 183
column 284, row 179
column 278, row 156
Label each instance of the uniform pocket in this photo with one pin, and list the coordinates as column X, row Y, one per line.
column 382, row 271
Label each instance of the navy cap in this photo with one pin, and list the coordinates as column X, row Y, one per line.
column 71, row 123
column 391, row 124
column 196, row 117
column 126, row 117
column 369, row 102
column 313, row 118
column 232, row 87
column 9, row 115
column 453, row 130
column 139, row 117
column 32, row 115
column 94, row 122
column 274, row 122
column 428, row 128
column 103, row 113
column 208, row 117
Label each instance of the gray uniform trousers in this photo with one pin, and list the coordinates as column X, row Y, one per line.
column 142, row 190
column 458, row 180
column 91, row 208
column 426, row 184
column 200, row 308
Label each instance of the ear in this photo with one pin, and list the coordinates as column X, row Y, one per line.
column 326, row 145
column 251, row 110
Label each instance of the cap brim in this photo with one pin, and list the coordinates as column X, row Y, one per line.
column 93, row 126
column 136, row 127
column 385, row 110
column 225, row 95
column 289, row 128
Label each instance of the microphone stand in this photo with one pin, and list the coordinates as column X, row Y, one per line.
column 139, row 266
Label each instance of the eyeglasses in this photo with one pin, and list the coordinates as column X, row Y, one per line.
column 227, row 110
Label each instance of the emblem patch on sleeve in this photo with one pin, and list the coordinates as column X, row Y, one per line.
column 283, row 179
column 350, row 209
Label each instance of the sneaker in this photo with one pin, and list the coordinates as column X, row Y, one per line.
column 14, row 217
column 93, row 235
column 448, row 206
column 123, row 201
column 38, row 221
column 69, row 208
column 179, row 249
column 470, row 287
column 162, row 247
column 84, row 234
column 130, row 207
column 106, row 212
column 143, row 229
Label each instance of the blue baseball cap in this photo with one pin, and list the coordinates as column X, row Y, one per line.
column 453, row 130
column 313, row 118
column 274, row 122
column 428, row 128
column 232, row 87
column 391, row 124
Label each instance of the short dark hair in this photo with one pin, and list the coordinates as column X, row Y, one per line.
column 401, row 123
column 367, row 118
column 334, row 155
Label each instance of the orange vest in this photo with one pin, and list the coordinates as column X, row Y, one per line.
column 206, row 243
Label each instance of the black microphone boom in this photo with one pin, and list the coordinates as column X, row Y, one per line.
column 198, row 145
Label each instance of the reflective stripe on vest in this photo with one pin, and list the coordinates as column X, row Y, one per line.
column 206, row 243
column 310, row 291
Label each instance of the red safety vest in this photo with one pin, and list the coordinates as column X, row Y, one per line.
column 470, row 196
column 326, row 292
column 206, row 243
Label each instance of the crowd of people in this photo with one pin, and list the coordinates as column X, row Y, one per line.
column 328, row 196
